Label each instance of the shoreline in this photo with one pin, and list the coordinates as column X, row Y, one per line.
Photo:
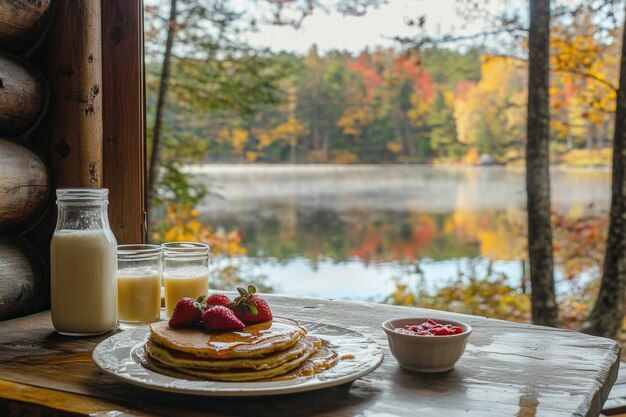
column 325, row 167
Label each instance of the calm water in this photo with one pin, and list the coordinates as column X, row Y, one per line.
column 353, row 231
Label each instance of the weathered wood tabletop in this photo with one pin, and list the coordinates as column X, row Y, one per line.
column 508, row 369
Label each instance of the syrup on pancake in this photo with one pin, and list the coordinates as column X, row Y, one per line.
column 255, row 340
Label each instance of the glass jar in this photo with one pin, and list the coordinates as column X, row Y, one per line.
column 83, row 264
column 139, row 277
column 185, row 272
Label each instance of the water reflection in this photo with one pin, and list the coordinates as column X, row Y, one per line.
column 364, row 224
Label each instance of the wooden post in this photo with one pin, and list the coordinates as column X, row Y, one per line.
column 123, row 117
column 72, row 128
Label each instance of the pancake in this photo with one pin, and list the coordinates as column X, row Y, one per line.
column 253, row 341
column 323, row 359
column 176, row 359
column 238, row 375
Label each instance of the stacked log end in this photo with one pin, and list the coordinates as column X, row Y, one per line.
column 22, row 96
column 22, row 23
column 23, row 289
column 24, row 177
column 24, row 187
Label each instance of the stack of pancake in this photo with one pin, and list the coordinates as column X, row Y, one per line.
column 274, row 350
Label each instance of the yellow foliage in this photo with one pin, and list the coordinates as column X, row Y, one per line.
column 471, row 157
column 587, row 157
column 181, row 224
column 483, row 297
column 496, row 103
column 340, row 156
column 288, row 133
column 251, row 156
column 583, row 88
column 394, row 147
column 448, row 98
column 352, row 121
column 237, row 137
column 419, row 110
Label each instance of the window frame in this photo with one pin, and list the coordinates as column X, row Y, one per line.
column 123, row 108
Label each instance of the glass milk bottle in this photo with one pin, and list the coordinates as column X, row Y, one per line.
column 185, row 272
column 83, row 264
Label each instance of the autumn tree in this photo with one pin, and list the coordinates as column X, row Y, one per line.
column 544, row 308
column 320, row 100
column 490, row 114
column 608, row 312
column 155, row 154
column 202, row 66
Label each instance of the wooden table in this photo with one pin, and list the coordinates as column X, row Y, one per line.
column 508, row 369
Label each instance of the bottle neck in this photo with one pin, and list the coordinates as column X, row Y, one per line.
column 83, row 217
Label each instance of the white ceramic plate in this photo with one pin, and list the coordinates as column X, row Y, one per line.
column 119, row 356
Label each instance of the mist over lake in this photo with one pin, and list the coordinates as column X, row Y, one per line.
column 352, row 231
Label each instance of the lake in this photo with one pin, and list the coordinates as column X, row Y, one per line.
column 353, row 231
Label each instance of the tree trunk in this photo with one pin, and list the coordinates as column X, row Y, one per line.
column 524, row 279
column 607, row 314
column 544, row 310
column 155, row 159
column 292, row 151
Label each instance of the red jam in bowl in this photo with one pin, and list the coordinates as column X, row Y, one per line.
column 429, row 328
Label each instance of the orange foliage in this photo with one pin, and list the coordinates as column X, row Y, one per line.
column 408, row 68
column 373, row 247
column 371, row 77
column 181, row 224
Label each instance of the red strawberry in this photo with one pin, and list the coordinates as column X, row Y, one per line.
column 250, row 308
column 221, row 318
column 187, row 312
column 217, row 299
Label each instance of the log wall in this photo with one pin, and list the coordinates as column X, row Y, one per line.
column 25, row 181
column 52, row 130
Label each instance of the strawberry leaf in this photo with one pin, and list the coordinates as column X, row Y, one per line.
column 253, row 309
column 251, row 289
column 242, row 291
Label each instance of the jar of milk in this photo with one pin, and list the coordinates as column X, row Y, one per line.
column 83, row 264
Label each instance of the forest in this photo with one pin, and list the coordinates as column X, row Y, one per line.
column 389, row 105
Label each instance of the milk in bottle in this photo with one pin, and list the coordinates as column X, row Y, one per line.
column 83, row 264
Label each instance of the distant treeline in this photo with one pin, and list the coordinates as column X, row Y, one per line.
column 381, row 106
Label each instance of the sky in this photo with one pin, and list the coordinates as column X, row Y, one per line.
column 331, row 30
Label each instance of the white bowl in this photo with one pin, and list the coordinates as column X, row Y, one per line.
column 426, row 353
